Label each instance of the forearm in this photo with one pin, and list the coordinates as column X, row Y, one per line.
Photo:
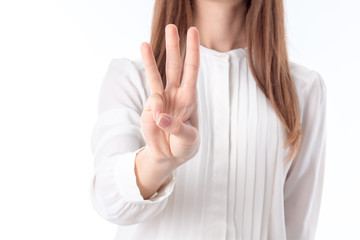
column 150, row 173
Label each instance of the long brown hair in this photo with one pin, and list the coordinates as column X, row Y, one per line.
column 266, row 51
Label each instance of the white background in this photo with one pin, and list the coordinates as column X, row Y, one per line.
column 53, row 56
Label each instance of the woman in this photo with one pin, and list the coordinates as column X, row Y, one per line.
column 231, row 146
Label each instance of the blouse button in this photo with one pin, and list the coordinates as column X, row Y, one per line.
column 224, row 56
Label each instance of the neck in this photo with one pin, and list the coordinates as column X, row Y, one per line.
column 221, row 25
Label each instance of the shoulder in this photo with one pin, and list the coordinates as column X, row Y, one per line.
column 124, row 84
column 126, row 65
column 128, row 72
column 309, row 85
column 305, row 78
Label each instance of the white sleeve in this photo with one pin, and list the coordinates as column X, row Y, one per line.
column 304, row 181
column 116, row 138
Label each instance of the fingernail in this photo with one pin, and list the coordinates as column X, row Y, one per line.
column 157, row 114
column 163, row 121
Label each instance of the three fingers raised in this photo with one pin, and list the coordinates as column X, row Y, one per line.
column 173, row 60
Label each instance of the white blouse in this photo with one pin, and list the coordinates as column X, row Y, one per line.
column 237, row 186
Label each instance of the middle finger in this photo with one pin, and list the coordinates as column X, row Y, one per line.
column 173, row 60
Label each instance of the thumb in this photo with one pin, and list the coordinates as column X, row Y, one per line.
column 176, row 127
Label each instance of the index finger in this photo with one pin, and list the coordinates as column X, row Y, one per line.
column 192, row 59
column 152, row 72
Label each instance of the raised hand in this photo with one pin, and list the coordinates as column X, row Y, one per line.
column 170, row 119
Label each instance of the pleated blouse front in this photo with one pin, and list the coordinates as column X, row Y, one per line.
column 237, row 186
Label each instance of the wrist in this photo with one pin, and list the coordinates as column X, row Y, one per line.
column 150, row 173
column 154, row 161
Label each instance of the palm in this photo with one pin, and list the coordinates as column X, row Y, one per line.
column 181, row 105
column 180, row 140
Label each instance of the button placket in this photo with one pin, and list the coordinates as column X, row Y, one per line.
column 221, row 147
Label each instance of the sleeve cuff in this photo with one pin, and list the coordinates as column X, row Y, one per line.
column 125, row 179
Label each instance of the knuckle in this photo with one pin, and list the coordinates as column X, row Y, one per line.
column 148, row 101
column 192, row 66
column 194, row 49
column 155, row 99
column 156, row 95
column 158, row 98
column 150, row 68
column 172, row 65
column 178, row 127
column 172, row 44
